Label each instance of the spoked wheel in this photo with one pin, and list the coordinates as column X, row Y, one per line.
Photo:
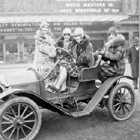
column 20, row 119
column 121, row 102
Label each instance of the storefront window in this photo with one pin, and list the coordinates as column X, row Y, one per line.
column 11, row 52
column 11, row 47
column 29, row 48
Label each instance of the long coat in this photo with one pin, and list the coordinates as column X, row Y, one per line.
column 43, row 62
column 114, row 59
column 133, row 59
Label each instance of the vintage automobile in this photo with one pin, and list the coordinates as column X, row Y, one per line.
column 23, row 94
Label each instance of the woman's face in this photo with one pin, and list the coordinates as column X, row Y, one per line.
column 66, row 37
column 111, row 36
column 78, row 38
column 45, row 29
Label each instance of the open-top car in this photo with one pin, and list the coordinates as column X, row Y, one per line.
column 23, row 94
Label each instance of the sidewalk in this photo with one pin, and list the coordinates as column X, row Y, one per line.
column 14, row 66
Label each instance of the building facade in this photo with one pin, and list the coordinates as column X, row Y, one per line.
column 19, row 20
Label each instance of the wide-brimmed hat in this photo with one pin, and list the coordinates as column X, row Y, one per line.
column 44, row 23
column 136, row 40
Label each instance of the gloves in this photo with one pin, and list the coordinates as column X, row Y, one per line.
column 81, row 60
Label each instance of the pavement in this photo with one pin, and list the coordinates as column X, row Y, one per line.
column 14, row 66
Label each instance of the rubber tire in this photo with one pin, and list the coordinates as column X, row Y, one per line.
column 111, row 97
column 31, row 103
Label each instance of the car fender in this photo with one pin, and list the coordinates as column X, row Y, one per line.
column 40, row 101
column 99, row 95
column 102, row 91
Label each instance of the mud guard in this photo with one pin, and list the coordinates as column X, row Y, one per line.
column 36, row 98
column 99, row 95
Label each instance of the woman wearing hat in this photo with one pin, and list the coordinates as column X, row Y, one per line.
column 113, row 55
column 65, row 39
column 133, row 59
column 45, row 50
column 82, row 52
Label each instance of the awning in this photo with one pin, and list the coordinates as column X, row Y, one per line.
column 61, row 18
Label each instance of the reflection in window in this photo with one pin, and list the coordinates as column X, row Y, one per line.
column 11, row 48
column 29, row 48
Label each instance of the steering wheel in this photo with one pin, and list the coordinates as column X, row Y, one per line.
column 64, row 53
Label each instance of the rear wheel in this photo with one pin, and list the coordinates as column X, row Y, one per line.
column 20, row 119
column 121, row 102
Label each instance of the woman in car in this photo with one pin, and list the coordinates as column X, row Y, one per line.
column 65, row 40
column 82, row 53
column 113, row 55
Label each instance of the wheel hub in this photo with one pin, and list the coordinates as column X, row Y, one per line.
column 18, row 122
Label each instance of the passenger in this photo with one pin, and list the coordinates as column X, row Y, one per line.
column 65, row 40
column 45, row 50
column 82, row 52
column 113, row 55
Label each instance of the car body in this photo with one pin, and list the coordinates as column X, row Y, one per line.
column 23, row 94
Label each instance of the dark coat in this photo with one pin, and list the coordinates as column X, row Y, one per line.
column 133, row 59
column 115, row 55
column 83, row 54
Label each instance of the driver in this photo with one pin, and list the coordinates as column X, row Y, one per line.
column 82, row 52
column 113, row 55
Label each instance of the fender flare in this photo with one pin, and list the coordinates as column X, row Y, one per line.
column 100, row 94
column 102, row 91
column 40, row 101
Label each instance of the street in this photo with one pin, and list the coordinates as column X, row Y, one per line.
column 97, row 126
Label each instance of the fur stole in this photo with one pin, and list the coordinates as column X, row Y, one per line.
column 119, row 40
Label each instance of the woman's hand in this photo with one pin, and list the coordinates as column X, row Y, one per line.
column 102, row 52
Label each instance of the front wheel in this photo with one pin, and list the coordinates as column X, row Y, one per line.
column 20, row 119
column 121, row 102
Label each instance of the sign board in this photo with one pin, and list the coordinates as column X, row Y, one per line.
column 54, row 26
column 61, row 7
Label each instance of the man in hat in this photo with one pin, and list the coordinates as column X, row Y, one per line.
column 133, row 59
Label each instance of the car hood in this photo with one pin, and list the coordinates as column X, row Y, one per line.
column 21, row 77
